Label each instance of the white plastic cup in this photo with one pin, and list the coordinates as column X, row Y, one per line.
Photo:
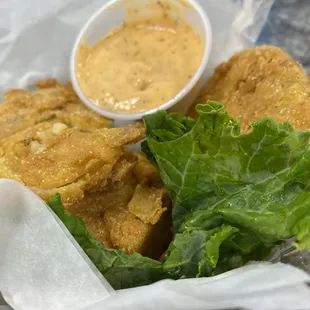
column 112, row 15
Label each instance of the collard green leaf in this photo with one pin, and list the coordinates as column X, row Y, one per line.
column 166, row 127
column 196, row 253
column 121, row 270
column 256, row 182
column 302, row 232
column 191, row 254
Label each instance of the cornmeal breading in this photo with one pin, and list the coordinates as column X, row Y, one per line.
column 258, row 82
column 67, row 161
column 52, row 144
column 108, row 215
column 147, row 203
column 53, row 102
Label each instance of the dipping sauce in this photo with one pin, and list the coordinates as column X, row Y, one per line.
column 140, row 65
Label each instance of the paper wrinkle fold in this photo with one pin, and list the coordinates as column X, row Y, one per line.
column 40, row 267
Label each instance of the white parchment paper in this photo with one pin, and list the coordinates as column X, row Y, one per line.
column 257, row 287
column 41, row 266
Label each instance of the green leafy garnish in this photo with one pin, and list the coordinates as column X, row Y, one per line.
column 121, row 270
column 253, row 187
column 235, row 196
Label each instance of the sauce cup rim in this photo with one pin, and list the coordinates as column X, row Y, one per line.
column 120, row 116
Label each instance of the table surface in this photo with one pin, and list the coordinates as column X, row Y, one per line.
column 288, row 26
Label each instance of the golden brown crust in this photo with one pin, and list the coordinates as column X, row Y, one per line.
column 49, row 83
column 51, row 143
column 126, row 232
column 75, row 154
column 111, row 213
column 147, row 203
column 258, row 82
column 97, row 180
column 22, row 109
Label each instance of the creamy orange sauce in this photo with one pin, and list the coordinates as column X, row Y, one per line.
column 140, row 65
